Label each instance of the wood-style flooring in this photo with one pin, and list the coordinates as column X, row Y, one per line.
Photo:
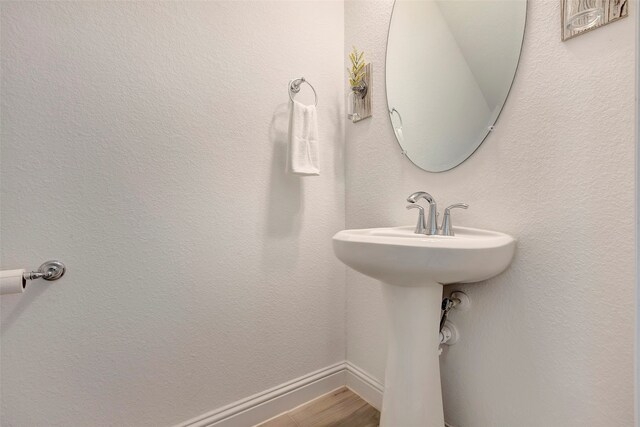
column 341, row 408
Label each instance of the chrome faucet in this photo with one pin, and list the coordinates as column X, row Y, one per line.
column 432, row 219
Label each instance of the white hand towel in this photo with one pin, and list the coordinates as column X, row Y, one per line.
column 302, row 158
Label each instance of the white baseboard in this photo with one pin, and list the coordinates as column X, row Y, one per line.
column 263, row 406
column 269, row 403
column 364, row 385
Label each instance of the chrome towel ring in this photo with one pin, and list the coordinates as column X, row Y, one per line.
column 294, row 87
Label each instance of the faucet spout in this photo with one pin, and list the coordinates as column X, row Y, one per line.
column 420, row 195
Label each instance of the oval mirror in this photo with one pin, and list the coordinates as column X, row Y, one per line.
column 450, row 66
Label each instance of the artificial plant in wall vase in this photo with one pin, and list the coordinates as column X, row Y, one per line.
column 359, row 97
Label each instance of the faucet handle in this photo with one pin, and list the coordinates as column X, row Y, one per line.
column 447, row 227
column 421, row 225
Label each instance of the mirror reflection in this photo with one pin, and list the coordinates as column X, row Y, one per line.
column 450, row 65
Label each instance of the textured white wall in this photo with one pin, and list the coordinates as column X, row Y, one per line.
column 550, row 342
column 637, row 340
column 170, row 169
column 143, row 145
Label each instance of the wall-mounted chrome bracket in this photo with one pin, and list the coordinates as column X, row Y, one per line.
column 50, row 270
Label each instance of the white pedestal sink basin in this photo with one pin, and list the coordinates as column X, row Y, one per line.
column 412, row 268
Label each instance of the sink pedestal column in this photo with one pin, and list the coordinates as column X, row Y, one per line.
column 412, row 390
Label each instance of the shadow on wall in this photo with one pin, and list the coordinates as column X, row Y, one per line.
column 338, row 124
column 285, row 203
column 14, row 305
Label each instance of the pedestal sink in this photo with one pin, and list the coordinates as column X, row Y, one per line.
column 412, row 268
